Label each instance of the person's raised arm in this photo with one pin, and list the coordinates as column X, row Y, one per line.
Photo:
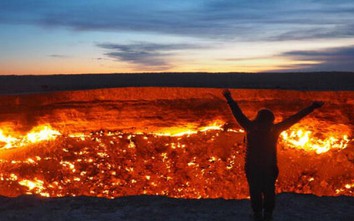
column 236, row 110
column 287, row 123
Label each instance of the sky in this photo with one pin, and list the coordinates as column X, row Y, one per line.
column 119, row 36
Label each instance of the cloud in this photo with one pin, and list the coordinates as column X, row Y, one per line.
column 338, row 31
column 155, row 56
column 58, row 56
column 333, row 59
column 241, row 19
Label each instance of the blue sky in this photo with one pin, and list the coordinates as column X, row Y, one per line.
column 101, row 36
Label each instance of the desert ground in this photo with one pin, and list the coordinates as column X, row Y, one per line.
column 291, row 207
column 324, row 81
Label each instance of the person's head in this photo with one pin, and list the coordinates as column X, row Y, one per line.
column 265, row 116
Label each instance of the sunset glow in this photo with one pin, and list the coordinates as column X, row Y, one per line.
column 70, row 37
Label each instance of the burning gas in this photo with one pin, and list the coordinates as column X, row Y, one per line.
column 37, row 134
column 110, row 161
column 297, row 137
column 174, row 142
column 305, row 140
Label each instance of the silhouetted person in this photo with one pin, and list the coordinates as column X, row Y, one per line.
column 261, row 154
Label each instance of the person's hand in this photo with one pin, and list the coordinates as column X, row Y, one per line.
column 226, row 93
column 317, row 104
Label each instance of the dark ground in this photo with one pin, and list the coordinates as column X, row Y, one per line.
column 290, row 81
column 289, row 207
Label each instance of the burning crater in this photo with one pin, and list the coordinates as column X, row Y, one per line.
column 176, row 142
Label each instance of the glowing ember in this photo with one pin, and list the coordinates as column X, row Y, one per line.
column 111, row 164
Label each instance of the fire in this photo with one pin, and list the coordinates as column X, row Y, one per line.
column 189, row 129
column 8, row 140
column 176, row 142
column 178, row 162
column 42, row 133
column 304, row 140
column 35, row 186
column 36, row 135
column 297, row 138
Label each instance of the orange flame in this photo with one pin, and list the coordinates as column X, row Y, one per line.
column 189, row 129
column 295, row 138
column 85, row 158
column 36, row 135
column 35, row 186
column 304, row 140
